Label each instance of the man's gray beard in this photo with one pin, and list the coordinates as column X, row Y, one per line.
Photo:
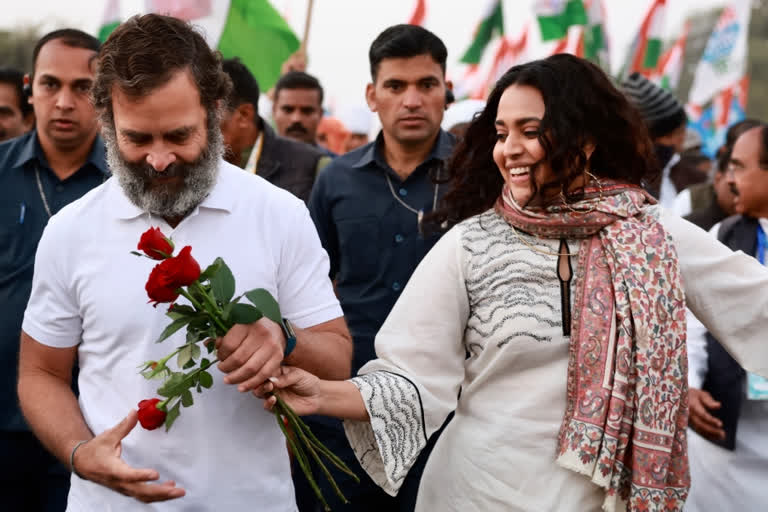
column 168, row 202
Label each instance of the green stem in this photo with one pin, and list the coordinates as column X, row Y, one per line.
column 215, row 316
column 301, row 458
column 302, row 436
column 294, row 418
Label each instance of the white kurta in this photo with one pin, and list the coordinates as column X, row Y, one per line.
column 482, row 314
column 723, row 479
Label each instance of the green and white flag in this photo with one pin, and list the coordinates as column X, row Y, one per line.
column 252, row 30
column 646, row 49
column 110, row 20
column 556, row 16
column 491, row 25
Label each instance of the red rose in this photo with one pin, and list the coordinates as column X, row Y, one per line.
column 155, row 244
column 150, row 416
column 170, row 275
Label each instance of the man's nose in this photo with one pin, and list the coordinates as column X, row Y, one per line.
column 160, row 160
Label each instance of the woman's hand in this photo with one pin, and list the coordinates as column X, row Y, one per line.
column 296, row 387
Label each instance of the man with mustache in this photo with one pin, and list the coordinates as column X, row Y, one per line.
column 728, row 405
column 298, row 108
column 41, row 172
column 158, row 90
column 368, row 206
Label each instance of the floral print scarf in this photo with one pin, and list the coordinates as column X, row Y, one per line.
column 627, row 395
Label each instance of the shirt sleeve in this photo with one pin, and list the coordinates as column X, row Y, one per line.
column 725, row 290
column 305, row 293
column 320, row 211
column 414, row 384
column 697, row 350
column 52, row 316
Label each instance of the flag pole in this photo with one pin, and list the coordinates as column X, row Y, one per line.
column 307, row 23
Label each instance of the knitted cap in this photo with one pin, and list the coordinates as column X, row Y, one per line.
column 659, row 108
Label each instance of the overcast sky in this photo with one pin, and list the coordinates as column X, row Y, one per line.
column 342, row 30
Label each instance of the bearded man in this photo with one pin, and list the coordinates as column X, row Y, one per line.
column 158, row 89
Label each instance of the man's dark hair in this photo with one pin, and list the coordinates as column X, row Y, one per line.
column 15, row 78
column 145, row 52
column 299, row 80
column 405, row 41
column 245, row 88
column 733, row 133
column 69, row 36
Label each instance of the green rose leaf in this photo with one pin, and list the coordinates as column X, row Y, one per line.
column 173, row 413
column 206, row 380
column 195, row 351
column 185, row 356
column 180, row 310
column 244, row 314
column 186, row 398
column 173, row 327
column 174, row 386
column 223, row 283
column 266, row 303
column 210, row 270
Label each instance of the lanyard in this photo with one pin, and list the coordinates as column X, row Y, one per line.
column 762, row 242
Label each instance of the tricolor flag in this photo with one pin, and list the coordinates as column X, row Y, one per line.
column 667, row 75
column 249, row 29
column 110, row 20
column 646, row 50
column 556, row 16
column 726, row 108
column 507, row 55
column 491, row 25
column 725, row 57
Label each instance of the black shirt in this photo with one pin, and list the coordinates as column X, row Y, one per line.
column 372, row 238
column 22, row 220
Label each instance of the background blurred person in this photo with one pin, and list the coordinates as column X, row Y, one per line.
column 666, row 121
column 41, row 172
column 729, row 405
column 358, row 120
column 16, row 114
column 706, row 204
column 332, row 135
column 254, row 146
column 298, row 107
column 459, row 114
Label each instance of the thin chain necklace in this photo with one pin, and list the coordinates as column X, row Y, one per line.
column 419, row 213
column 42, row 193
column 536, row 249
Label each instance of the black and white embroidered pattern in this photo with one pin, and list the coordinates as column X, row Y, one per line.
column 514, row 293
column 390, row 444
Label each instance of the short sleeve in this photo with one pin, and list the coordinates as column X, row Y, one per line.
column 305, row 292
column 52, row 316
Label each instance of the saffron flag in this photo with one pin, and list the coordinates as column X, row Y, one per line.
column 556, row 16
column 491, row 25
column 249, row 29
column 725, row 57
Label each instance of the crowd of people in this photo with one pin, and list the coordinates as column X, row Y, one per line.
column 550, row 300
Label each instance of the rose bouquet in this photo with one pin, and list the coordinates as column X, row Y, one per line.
column 211, row 312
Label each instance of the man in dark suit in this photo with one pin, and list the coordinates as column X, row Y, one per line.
column 253, row 145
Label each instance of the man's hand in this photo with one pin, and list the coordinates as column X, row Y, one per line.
column 700, row 403
column 296, row 62
column 251, row 354
column 99, row 460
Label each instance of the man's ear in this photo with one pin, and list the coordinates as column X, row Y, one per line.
column 370, row 96
column 246, row 113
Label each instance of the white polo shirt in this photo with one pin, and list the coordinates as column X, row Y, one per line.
column 88, row 290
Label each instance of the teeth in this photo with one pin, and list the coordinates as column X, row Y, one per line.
column 518, row 171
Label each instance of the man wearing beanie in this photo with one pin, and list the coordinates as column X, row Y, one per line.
column 666, row 121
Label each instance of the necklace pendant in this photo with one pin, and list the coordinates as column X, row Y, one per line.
column 419, row 217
